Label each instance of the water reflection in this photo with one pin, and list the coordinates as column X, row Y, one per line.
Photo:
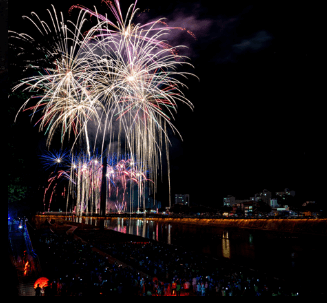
column 225, row 245
column 249, row 247
column 137, row 227
column 120, row 226
column 77, row 219
column 169, row 234
column 250, row 238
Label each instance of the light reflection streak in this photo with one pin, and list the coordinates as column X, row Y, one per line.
column 169, row 234
column 226, row 246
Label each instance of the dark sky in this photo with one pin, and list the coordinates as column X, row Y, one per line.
column 258, row 120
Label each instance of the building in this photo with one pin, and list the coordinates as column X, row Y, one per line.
column 248, row 207
column 151, row 204
column 285, row 192
column 256, row 199
column 265, row 196
column 273, row 203
column 134, row 203
column 308, row 202
column 182, row 199
column 239, row 202
column 229, row 200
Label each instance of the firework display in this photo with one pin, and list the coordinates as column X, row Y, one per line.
column 63, row 89
column 113, row 73
column 84, row 176
column 55, row 159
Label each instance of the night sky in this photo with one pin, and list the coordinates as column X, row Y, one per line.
column 258, row 120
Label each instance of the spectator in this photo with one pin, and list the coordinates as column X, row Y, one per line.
column 198, row 289
column 38, row 291
column 217, row 289
column 194, row 283
column 168, row 292
column 187, row 287
column 178, row 288
column 120, row 289
column 159, row 289
column 173, row 288
column 203, row 289
column 46, row 290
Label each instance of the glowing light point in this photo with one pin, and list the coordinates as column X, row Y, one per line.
column 69, row 76
column 130, row 78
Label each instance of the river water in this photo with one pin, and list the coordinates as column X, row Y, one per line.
column 300, row 258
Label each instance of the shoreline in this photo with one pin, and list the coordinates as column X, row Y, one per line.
column 91, row 233
column 296, row 226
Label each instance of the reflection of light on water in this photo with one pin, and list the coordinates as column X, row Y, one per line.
column 137, row 228
column 130, row 227
column 226, row 248
column 157, row 231
column 169, row 234
column 120, row 226
column 144, row 228
column 250, row 238
column 225, row 235
column 226, row 245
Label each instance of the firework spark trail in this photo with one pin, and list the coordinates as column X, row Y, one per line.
column 125, row 28
column 51, row 180
column 84, row 176
column 89, row 173
column 54, row 159
column 138, row 84
column 126, row 74
column 64, row 91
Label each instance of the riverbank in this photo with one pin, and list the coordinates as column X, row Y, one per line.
column 171, row 255
column 314, row 226
column 85, row 240
column 303, row 226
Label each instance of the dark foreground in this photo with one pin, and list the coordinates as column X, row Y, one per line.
column 90, row 262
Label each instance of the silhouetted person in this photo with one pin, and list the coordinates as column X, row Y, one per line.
column 38, row 291
column 46, row 290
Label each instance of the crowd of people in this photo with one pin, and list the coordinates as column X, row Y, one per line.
column 196, row 273
column 74, row 269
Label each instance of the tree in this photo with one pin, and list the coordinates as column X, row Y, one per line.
column 239, row 211
column 293, row 202
column 312, row 207
column 177, row 208
column 21, row 185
